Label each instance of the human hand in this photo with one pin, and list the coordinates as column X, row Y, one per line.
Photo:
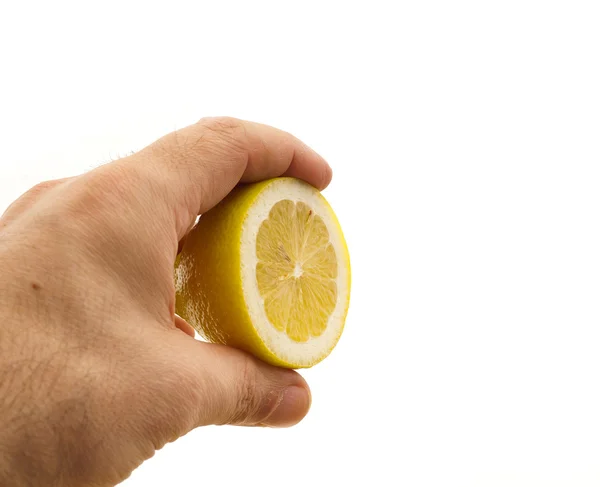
column 96, row 370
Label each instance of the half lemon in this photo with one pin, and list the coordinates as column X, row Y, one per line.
column 267, row 271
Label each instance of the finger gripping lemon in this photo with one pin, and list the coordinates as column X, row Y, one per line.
column 267, row 271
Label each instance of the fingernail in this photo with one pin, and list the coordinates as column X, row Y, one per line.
column 293, row 406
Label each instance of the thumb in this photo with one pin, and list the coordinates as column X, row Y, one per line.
column 239, row 389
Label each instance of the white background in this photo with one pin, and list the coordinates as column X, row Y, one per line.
column 465, row 142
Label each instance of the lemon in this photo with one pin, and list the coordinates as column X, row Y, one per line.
column 267, row 271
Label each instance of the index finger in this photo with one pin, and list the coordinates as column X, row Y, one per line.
column 200, row 164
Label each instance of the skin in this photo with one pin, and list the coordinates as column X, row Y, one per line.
column 96, row 370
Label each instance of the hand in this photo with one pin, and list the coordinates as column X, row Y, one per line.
column 96, row 370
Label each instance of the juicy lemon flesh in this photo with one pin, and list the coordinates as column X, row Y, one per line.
column 296, row 271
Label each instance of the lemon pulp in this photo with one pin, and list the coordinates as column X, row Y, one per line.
column 296, row 270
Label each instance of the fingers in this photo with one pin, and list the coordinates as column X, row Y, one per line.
column 199, row 165
column 236, row 388
column 252, row 392
column 186, row 173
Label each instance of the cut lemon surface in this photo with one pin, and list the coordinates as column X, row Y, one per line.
column 267, row 270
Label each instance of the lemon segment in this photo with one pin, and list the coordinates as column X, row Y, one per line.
column 267, row 270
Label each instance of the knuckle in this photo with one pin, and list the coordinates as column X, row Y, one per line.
column 224, row 131
column 29, row 199
column 221, row 124
column 247, row 403
column 37, row 191
column 42, row 187
column 105, row 188
column 93, row 206
column 174, row 149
